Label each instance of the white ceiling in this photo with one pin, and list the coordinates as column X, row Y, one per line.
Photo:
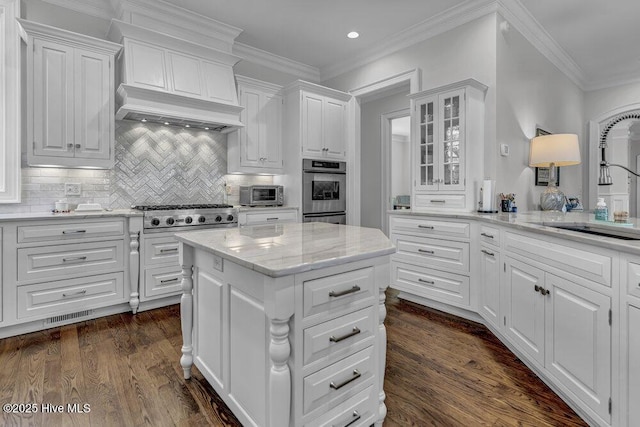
column 601, row 37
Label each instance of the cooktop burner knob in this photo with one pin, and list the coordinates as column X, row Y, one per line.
column 170, row 221
column 218, row 218
column 229, row 217
column 155, row 221
column 188, row 220
column 202, row 219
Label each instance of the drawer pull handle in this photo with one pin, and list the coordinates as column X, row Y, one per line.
column 356, row 375
column 355, row 288
column 355, row 331
column 164, row 282
column 486, row 235
column 77, row 258
column 428, row 227
column 484, row 251
column 425, row 251
column 438, row 201
column 356, row 417
column 82, row 292
column 430, row 282
column 273, row 219
column 162, row 251
column 542, row 290
column 73, row 231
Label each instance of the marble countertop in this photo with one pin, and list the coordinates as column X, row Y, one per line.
column 73, row 214
column 284, row 249
column 546, row 223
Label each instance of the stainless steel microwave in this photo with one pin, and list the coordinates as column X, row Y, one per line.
column 261, row 195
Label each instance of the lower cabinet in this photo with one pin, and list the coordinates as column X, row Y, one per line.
column 490, row 307
column 161, row 271
column 263, row 216
column 631, row 357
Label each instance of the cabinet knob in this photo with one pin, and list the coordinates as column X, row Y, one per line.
column 77, row 145
column 70, row 145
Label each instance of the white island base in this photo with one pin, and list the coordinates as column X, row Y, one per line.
column 304, row 348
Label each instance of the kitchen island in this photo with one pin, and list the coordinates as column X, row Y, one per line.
column 285, row 321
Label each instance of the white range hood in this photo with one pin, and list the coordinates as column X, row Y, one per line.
column 164, row 79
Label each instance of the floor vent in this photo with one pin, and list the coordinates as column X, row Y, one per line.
column 65, row 317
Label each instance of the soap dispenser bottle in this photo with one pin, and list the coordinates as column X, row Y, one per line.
column 602, row 213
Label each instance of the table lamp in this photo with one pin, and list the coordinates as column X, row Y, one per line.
column 549, row 151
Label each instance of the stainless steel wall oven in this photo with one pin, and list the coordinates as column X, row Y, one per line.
column 324, row 188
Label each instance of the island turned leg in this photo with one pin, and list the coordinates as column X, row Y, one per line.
column 186, row 309
column 382, row 355
column 279, row 376
column 134, row 271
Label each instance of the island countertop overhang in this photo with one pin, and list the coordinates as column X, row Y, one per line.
column 284, row 249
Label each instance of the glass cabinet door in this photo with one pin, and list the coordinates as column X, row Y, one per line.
column 450, row 141
column 427, row 157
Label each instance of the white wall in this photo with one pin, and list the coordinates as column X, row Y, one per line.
column 532, row 92
column 371, row 156
column 400, row 165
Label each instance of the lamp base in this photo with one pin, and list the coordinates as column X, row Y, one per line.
column 552, row 199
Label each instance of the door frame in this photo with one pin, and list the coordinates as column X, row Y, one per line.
column 354, row 142
column 385, row 158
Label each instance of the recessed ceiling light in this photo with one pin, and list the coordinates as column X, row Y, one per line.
column 206, row 128
column 187, row 126
column 353, row 35
column 166, row 123
column 144, row 120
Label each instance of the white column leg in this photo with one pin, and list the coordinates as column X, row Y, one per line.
column 382, row 355
column 134, row 271
column 186, row 309
column 280, row 375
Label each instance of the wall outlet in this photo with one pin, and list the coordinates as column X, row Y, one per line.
column 228, row 189
column 72, row 189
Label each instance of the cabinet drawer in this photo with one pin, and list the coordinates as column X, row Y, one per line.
column 360, row 410
column 67, row 296
column 66, row 230
column 582, row 263
column 437, row 201
column 633, row 279
column 270, row 217
column 433, row 252
column 338, row 382
column 161, row 250
column 428, row 283
column 162, row 281
column 339, row 337
column 66, row 260
column 489, row 235
column 417, row 226
column 338, row 292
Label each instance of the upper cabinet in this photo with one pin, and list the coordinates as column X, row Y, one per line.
column 70, row 98
column 322, row 117
column 447, row 131
column 9, row 102
column 257, row 147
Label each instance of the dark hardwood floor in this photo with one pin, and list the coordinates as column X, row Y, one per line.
column 441, row 371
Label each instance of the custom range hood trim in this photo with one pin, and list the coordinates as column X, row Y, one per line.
column 152, row 65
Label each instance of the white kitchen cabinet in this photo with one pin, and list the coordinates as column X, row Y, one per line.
column 319, row 118
column 630, row 342
column 490, row 300
column 70, row 98
column 160, row 269
column 263, row 216
column 10, row 105
column 447, row 137
column 257, row 147
column 563, row 325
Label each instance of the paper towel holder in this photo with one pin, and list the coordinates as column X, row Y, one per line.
column 487, row 203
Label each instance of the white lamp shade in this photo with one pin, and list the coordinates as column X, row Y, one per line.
column 562, row 149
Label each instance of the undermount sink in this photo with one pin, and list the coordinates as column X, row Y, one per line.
column 597, row 230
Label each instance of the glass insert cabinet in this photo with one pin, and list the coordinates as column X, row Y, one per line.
column 443, row 144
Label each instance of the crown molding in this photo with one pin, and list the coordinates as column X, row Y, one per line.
column 97, row 8
column 438, row 24
column 625, row 79
column 522, row 20
column 275, row 62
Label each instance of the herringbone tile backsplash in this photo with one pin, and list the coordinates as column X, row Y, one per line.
column 158, row 164
column 153, row 164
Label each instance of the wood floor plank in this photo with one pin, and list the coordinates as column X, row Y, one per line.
column 441, row 371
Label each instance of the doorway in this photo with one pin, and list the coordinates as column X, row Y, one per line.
column 396, row 163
